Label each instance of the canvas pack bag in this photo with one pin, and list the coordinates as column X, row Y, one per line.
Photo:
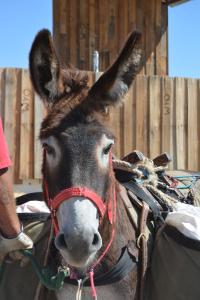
column 174, row 271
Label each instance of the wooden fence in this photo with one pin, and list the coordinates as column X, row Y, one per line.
column 159, row 114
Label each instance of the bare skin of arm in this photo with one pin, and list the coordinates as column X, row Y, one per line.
column 9, row 222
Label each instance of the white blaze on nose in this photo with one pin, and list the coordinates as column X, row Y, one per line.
column 102, row 158
column 77, row 212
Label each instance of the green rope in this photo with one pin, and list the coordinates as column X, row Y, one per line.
column 51, row 282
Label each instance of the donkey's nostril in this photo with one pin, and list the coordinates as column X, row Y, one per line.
column 95, row 239
column 60, row 241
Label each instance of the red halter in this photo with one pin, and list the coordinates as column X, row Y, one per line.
column 70, row 193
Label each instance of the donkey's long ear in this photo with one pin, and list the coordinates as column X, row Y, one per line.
column 44, row 67
column 115, row 82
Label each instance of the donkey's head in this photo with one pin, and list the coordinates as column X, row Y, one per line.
column 77, row 147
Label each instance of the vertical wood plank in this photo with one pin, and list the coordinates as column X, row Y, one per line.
column 73, row 32
column 142, row 115
column 68, row 33
column 112, row 29
column 192, row 97
column 83, row 34
column 92, row 34
column 161, row 38
column 63, row 28
column 103, row 34
column 128, row 123
column 56, row 24
column 113, row 120
column 181, row 127
column 150, row 37
column 140, row 21
column 63, row 20
column 122, row 23
column 38, row 117
column 12, row 117
column 168, row 118
column 132, row 15
column 154, row 116
column 26, row 130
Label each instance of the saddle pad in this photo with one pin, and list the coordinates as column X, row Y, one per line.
column 33, row 206
column 174, row 268
column 186, row 219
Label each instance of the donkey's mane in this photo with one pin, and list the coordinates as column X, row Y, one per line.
column 74, row 80
column 68, row 107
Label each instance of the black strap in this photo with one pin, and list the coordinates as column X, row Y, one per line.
column 124, row 266
column 180, row 238
column 28, row 197
column 145, row 196
column 36, row 216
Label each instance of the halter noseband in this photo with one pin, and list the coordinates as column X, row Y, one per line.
column 69, row 193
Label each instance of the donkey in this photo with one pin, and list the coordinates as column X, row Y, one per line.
column 91, row 223
column 95, row 234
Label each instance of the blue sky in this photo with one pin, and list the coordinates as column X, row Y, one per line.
column 21, row 19
column 184, row 40
column 19, row 22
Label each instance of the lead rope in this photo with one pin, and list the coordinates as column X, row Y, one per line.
column 94, row 292
column 39, row 286
column 79, row 290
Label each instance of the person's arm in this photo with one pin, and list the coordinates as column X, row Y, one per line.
column 9, row 222
column 12, row 237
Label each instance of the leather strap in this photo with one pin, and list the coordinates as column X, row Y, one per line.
column 145, row 196
column 142, row 244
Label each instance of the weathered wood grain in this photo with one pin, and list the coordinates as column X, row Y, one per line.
column 82, row 26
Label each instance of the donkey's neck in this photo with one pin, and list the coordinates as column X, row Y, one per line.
column 124, row 232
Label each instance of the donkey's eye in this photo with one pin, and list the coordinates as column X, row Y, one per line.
column 50, row 150
column 106, row 150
